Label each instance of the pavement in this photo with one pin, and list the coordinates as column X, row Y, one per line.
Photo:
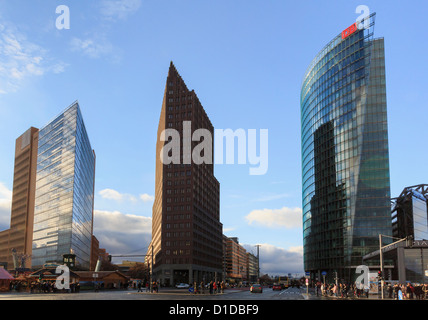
column 312, row 292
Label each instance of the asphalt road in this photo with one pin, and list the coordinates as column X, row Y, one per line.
column 163, row 294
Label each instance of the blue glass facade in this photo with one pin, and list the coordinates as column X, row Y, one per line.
column 64, row 191
column 410, row 213
column 345, row 158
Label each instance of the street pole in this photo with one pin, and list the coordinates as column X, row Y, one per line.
column 258, row 263
column 151, row 273
column 381, row 256
column 337, row 282
column 381, row 265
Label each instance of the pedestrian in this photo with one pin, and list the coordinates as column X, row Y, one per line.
column 418, row 291
column 409, row 294
column 195, row 287
column 211, row 287
column 390, row 291
column 396, row 289
column 400, row 294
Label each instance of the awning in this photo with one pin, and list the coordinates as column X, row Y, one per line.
column 4, row 275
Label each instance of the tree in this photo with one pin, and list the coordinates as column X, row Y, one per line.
column 108, row 266
column 265, row 279
column 138, row 271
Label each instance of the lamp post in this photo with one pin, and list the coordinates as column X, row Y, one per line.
column 381, row 257
column 151, row 273
column 381, row 265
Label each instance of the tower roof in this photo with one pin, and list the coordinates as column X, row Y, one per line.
column 173, row 75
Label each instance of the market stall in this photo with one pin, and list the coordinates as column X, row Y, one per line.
column 5, row 279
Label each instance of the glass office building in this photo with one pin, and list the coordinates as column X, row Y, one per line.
column 63, row 215
column 410, row 213
column 345, row 158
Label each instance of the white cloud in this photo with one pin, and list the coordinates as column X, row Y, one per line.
column 119, row 9
column 21, row 59
column 228, row 229
column 279, row 261
column 115, row 195
column 5, row 206
column 121, row 233
column 94, row 47
column 111, row 194
column 146, row 197
column 115, row 221
column 276, row 218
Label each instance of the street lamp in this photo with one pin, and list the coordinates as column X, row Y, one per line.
column 381, row 256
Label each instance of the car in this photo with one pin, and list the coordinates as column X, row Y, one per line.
column 182, row 286
column 277, row 287
column 256, row 288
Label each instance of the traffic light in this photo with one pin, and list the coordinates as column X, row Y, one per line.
column 109, row 258
column 379, row 275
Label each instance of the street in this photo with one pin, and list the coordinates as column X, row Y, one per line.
column 179, row 303
column 164, row 294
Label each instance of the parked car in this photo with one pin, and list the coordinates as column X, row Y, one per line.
column 277, row 287
column 182, row 286
column 256, row 288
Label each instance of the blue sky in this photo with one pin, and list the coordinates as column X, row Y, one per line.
column 244, row 59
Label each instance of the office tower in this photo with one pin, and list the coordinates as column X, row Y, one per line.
column 410, row 213
column 186, row 229
column 345, row 158
column 63, row 216
column 16, row 243
column 252, row 263
column 236, row 261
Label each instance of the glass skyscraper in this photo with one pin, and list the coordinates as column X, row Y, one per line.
column 345, row 158
column 63, row 215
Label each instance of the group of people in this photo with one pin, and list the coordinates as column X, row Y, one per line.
column 146, row 285
column 341, row 290
column 41, row 287
column 396, row 291
column 49, row 286
column 408, row 292
column 213, row 287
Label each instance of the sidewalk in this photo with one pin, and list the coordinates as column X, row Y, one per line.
column 350, row 296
